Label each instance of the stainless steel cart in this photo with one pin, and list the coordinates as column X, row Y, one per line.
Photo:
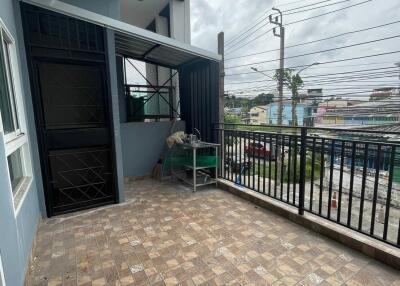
column 199, row 177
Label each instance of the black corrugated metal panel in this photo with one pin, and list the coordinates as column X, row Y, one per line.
column 199, row 88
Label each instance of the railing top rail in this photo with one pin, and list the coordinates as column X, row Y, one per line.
column 149, row 86
column 314, row 128
column 311, row 136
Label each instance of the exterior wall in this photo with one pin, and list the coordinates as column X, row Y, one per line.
column 113, row 76
column 143, row 143
column 110, row 8
column 272, row 113
column 180, row 20
column 258, row 115
column 19, row 224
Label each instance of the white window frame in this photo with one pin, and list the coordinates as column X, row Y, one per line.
column 2, row 279
column 18, row 139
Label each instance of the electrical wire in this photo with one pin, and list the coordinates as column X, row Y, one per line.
column 313, row 67
column 313, row 8
column 329, row 75
column 316, row 41
column 327, row 13
column 304, row 6
column 318, row 52
column 249, row 42
column 298, row 21
column 242, row 33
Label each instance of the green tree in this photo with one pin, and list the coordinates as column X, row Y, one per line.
column 231, row 119
column 294, row 82
column 262, row 99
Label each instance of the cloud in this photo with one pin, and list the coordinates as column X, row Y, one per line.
column 210, row 17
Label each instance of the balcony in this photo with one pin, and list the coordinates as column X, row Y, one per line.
column 166, row 235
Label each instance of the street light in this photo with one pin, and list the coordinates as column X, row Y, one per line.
column 313, row 64
column 263, row 73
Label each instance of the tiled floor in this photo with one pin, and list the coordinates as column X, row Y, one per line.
column 167, row 235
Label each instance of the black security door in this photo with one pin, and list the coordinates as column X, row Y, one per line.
column 67, row 64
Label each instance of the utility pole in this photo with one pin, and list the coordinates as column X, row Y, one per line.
column 221, row 77
column 278, row 20
column 221, row 99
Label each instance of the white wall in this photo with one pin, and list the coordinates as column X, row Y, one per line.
column 180, row 20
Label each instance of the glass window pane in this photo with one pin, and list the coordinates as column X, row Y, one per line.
column 10, row 86
column 5, row 103
column 15, row 168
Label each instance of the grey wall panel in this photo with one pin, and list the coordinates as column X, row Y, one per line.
column 143, row 143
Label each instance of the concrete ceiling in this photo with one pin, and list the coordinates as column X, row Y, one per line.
column 140, row 13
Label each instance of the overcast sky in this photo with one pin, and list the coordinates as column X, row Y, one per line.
column 210, row 17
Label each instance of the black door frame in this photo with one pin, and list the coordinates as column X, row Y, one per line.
column 32, row 62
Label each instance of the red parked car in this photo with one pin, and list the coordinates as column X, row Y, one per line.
column 257, row 150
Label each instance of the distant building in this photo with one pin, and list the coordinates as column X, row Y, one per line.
column 258, row 115
column 234, row 111
column 366, row 113
column 324, row 116
column 272, row 113
column 383, row 93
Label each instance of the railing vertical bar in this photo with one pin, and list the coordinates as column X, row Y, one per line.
column 389, row 192
column 294, row 169
column 398, row 233
column 289, row 169
column 276, row 165
column 282, row 166
column 259, row 161
column 236, row 156
column 332, row 161
column 376, row 185
column 254, row 161
column 248, row 155
column 312, row 174
column 270, row 165
column 225, row 153
column 353, row 157
column 265, row 147
column 230, row 152
column 364, row 177
column 303, row 163
column 342, row 152
column 241, row 167
column 321, row 175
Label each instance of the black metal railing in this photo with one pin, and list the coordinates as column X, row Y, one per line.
column 350, row 177
column 149, row 102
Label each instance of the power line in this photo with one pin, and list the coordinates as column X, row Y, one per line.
column 350, row 59
column 313, row 8
column 317, row 52
column 242, row 33
column 304, row 6
column 261, row 88
column 360, row 72
column 314, row 67
column 315, row 41
column 320, row 15
column 327, row 13
column 228, row 48
column 249, row 42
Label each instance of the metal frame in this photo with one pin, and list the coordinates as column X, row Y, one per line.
column 68, row 56
column 123, row 28
column 326, row 151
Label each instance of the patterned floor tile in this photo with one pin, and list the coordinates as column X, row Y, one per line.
column 166, row 235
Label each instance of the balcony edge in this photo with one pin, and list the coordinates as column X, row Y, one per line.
column 373, row 248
